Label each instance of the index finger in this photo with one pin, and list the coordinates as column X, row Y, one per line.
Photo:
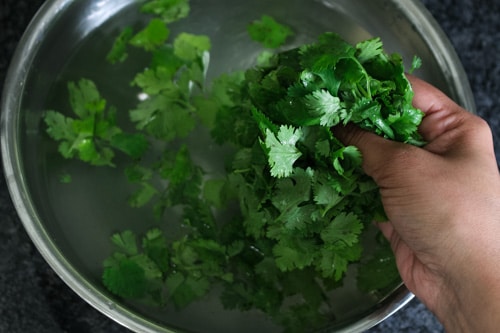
column 427, row 98
column 441, row 113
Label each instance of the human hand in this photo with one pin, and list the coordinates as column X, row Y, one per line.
column 443, row 205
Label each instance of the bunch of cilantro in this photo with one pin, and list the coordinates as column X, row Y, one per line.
column 281, row 229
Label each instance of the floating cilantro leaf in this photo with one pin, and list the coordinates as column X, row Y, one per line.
column 131, row 274
column 379, row 270
column 124, row 277
column 185, row 289
column 168, row 10
column 85, row 99
column 154, row 81
column 152, row 36
column 415, row 64
column 269, row 32
column 126, row 241
column 118, row 53
column 335, row 259
column 133, row 145
column 163, row 119
column 87, row 136
column 345, row 228
column 189, row 47
column 294, row 253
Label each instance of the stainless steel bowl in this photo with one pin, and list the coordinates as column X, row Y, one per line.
column 64, row 41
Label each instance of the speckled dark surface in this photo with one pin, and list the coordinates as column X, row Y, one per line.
column 34, row 299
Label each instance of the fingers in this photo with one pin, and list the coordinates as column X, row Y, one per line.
column 377, row 152
column 441, row 113
column 427, row 97
column 387, row 229
column 449, row 130
column 447, row 127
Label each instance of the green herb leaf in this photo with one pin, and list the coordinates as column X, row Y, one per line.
column 154, row 81
column 326, row 107
column 168, row 10
column 124, row 277
column 143, row 195
column 282, row 150
column 85, row 98
column 379, row 271
column 59, row 127
column 126, row 241
column 294, row 254
column 189, row 47
column 118, row 52
column 156, row 248
column 336, row 257
column 162, row 118
column 184, row 290
column 345, row 228
column 415, row 64
column 268, row 32
column 369, row 49
column 134, row 145
column 152, row 36
column 87, row 136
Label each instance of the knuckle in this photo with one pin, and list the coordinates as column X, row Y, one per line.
column 398, row 162
column 478, row 131
column 349, row 134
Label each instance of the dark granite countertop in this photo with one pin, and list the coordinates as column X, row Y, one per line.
column 34, row 299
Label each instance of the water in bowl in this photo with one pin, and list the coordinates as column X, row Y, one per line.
column 85, row 212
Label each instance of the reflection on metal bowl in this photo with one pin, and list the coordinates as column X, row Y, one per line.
column 71, row 225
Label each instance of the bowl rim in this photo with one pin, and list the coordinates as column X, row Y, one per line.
column 17, row 73
column 16, row 183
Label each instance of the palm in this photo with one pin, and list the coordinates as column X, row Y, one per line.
column 418, row 277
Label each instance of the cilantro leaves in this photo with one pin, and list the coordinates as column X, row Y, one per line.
column 287, row 220
column 268, row 32
column 92, row 135
column 282, row 150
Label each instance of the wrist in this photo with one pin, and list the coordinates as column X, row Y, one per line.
column 475, row 313
column 470, row 300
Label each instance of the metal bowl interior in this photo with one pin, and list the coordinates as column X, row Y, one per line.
column 71, row 225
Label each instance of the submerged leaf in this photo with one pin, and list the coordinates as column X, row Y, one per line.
column 269, row 32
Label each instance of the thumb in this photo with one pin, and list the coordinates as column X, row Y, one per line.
column 378, row 153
